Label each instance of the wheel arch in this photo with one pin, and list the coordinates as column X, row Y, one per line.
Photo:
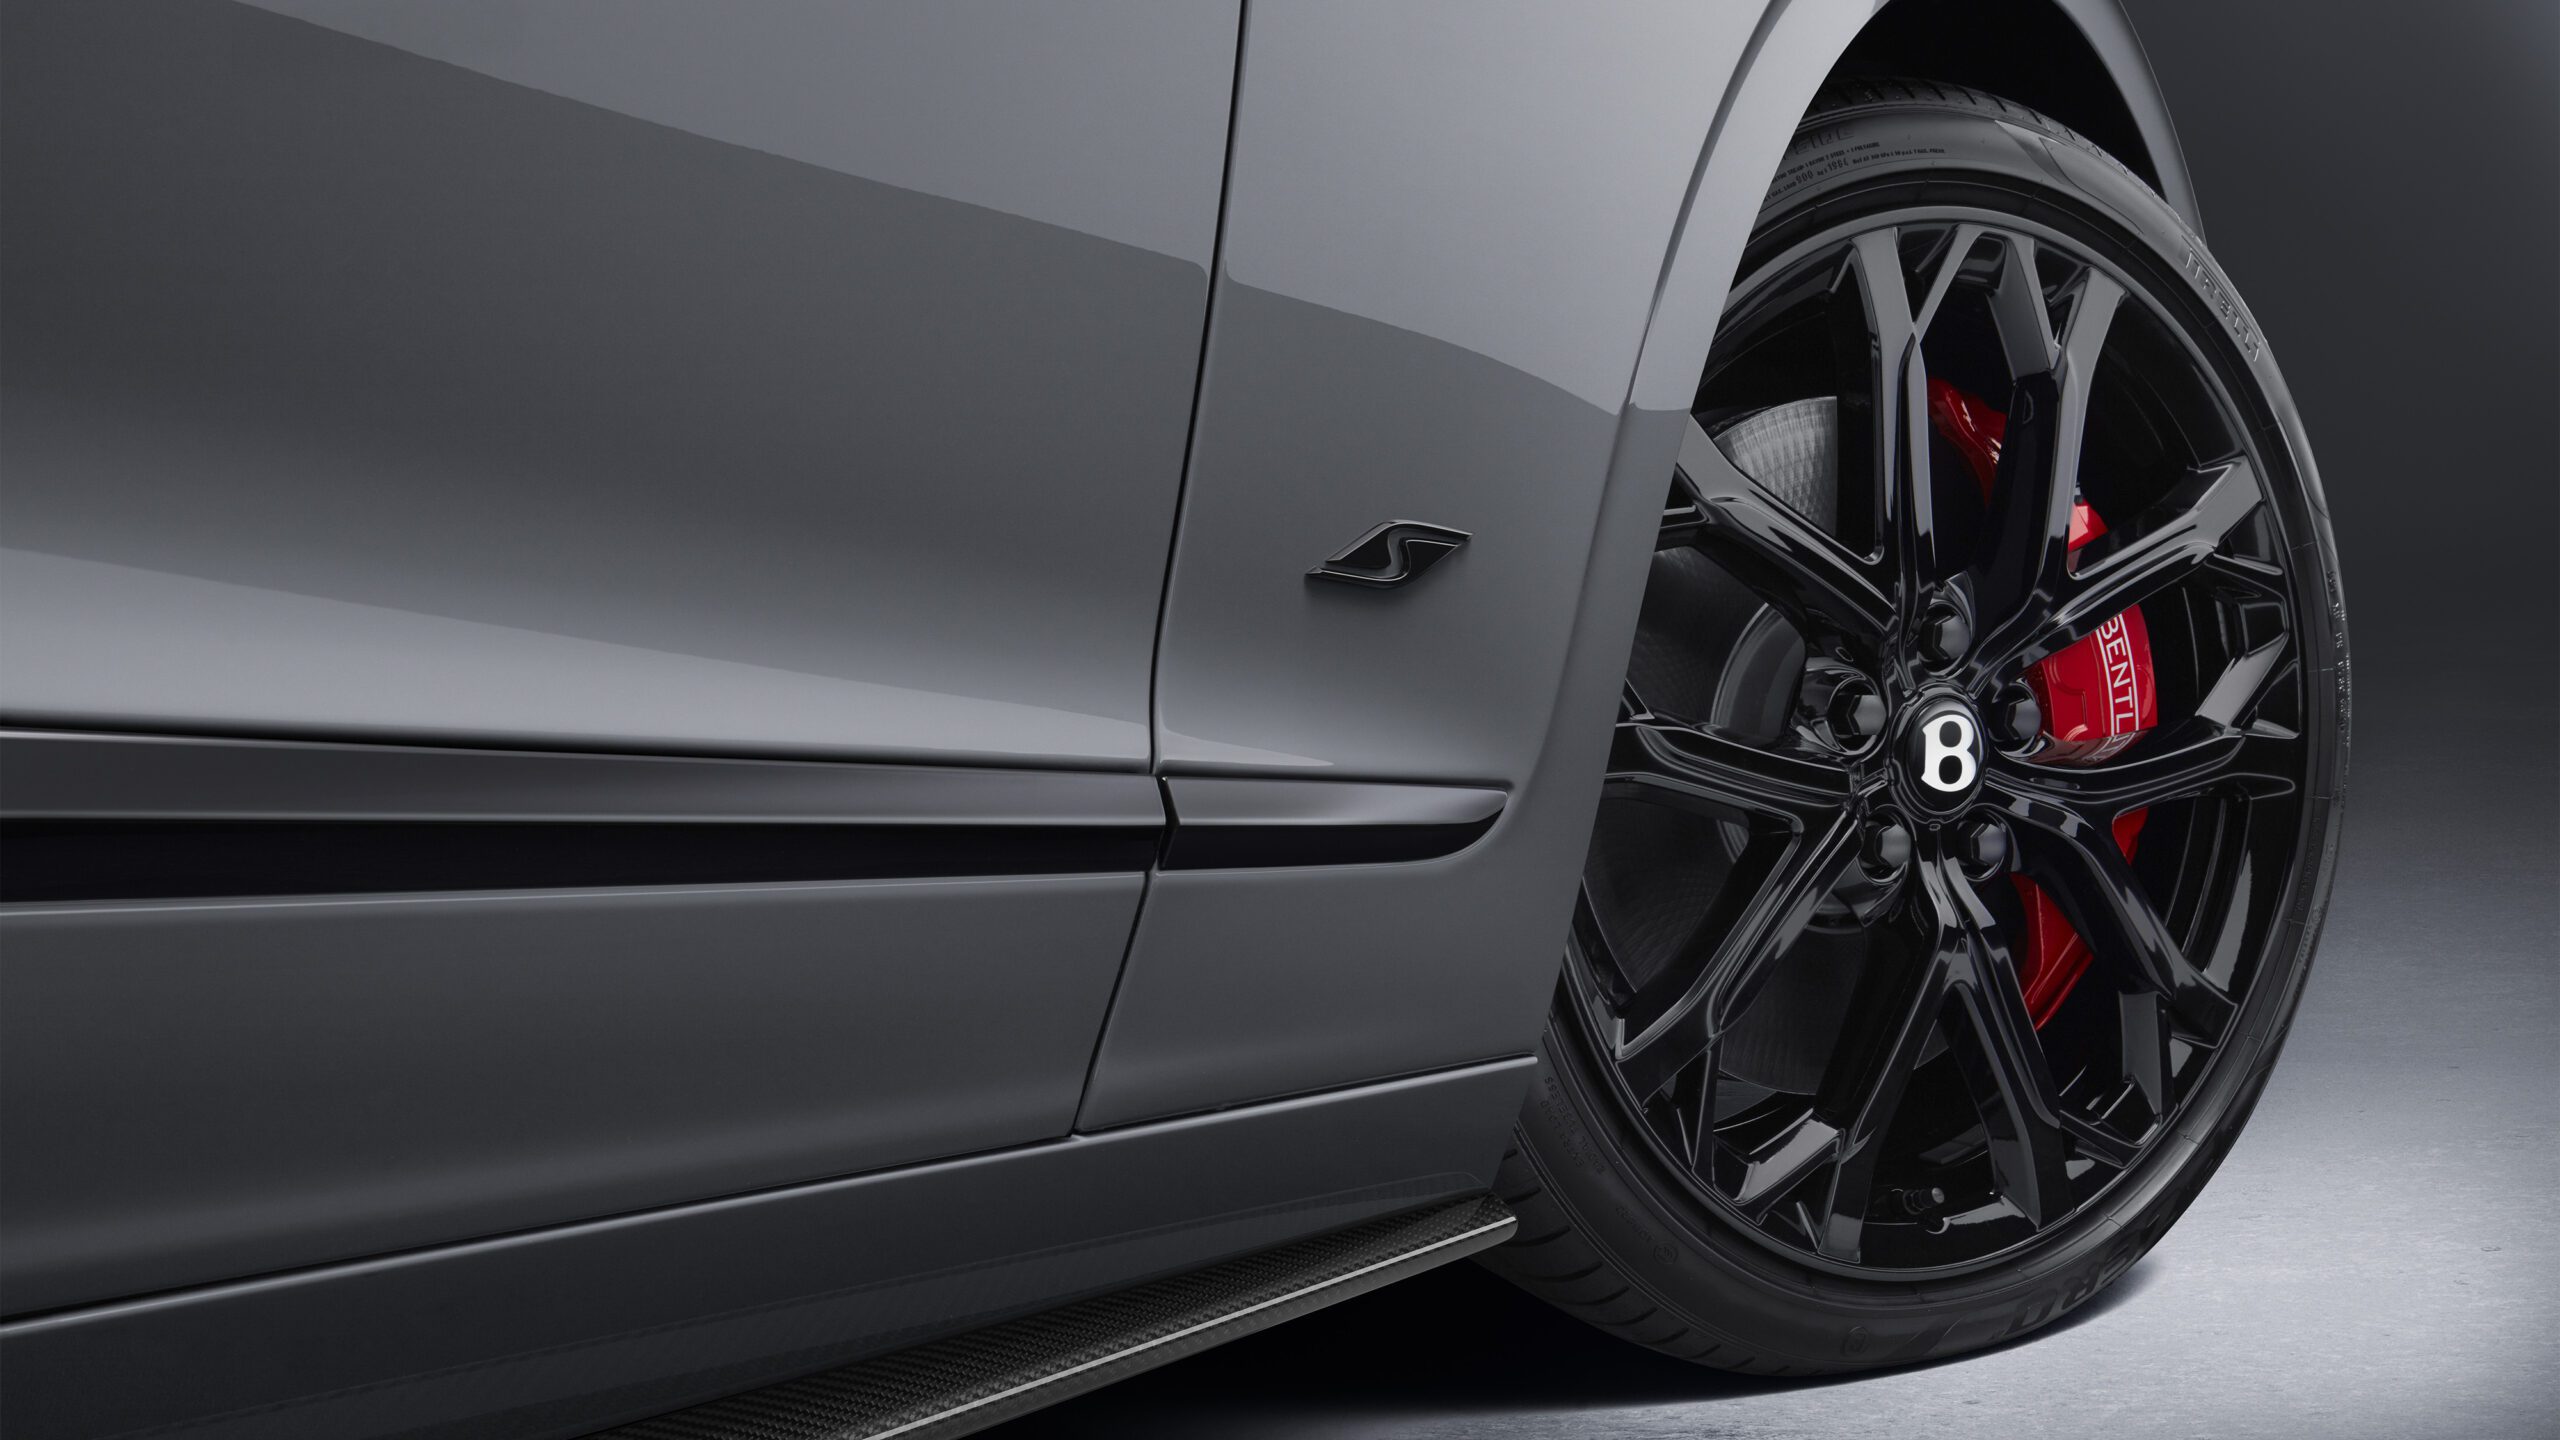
column 2078, row 61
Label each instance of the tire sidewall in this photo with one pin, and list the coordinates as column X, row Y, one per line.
column 1596, row 1160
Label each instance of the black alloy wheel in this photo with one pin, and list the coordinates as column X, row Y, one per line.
column 1888, row 1036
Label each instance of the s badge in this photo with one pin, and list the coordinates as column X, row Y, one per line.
column 1394, row 554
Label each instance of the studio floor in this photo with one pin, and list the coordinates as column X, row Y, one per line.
column 2376, row 1258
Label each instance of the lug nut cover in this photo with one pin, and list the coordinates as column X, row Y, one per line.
column 1887, row 847
column 1984, row 846
column 1944, row 635
column 1857, row 712
column 2019, row 718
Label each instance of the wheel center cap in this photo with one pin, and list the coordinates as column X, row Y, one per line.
column 1937, row 750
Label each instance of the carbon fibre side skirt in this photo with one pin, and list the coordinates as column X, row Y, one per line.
column 970, row 1381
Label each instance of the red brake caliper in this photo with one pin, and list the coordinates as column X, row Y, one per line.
column 2098, row 697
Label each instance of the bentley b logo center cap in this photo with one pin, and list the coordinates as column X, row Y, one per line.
column 1939, row 754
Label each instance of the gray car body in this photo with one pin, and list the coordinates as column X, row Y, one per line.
column 901, row 416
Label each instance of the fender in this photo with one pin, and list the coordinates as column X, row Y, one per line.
column 2109, row 31
column 1796, row 47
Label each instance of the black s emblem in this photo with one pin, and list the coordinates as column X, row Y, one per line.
column 1391, row 555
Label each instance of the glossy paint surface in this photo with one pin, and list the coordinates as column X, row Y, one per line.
column 632, row 377
column 1419, row 319
column 201, row 1090
column 1266, row 982
column 57, row 775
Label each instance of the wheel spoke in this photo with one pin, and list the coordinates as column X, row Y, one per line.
column 2002, row 1060
column 1601, row 953
column 1707, row 771
column 2142, row 1025
column 2214, row 748
column 1812, row 578
column 2188, row 759
column 1699, row 1135
column 2242, row 683
column 1897, row 381
column 1951, row 256
column 2094, row 1141
column 1783, row 1163
column 1680, row 1014
column 1865, row 1091
column 2024, row 569
column 2018, row 311
column 2078, row 863
column 2126, row 566
column 2236, row 577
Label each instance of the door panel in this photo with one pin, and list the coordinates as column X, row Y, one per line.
column 677, row 376
column 206, row 1089
column 616, row 381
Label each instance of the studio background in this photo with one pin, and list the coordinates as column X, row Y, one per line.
column 2377, row 1257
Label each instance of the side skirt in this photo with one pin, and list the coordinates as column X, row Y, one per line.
column 969, row 1382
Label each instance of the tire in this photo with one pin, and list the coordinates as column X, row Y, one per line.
column 1616, row 1227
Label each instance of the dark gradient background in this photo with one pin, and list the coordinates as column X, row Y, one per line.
column 2377, row 1257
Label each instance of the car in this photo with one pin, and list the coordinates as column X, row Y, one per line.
column 833, row 719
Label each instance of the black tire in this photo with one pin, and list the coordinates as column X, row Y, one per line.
column 1610, row 1231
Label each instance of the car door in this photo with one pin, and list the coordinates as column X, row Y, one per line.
column 578, row 600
